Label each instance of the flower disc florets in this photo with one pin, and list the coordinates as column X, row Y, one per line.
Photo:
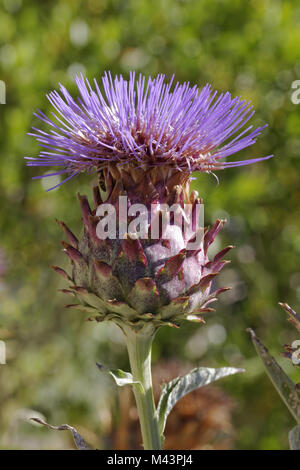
column 143, row 123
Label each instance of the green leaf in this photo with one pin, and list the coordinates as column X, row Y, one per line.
column 179, row 387
column 294, row 438
column 120, row 377
column 283, row 384
column 79, row 442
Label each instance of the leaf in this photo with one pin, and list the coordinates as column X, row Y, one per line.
column 283, row 384
column 179, row 387
column 294, row 438
column 121, row 378
column 79, row 442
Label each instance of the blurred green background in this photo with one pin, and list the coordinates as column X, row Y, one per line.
column 251, row 49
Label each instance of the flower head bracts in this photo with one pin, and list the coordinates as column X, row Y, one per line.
column 145, row 124
column 292, row 351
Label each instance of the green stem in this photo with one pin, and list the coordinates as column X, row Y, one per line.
column 139, row 352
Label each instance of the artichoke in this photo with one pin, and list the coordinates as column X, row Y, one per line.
column 135, row 281
column 144, row 140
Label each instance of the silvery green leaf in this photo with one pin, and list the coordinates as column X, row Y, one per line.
column 79, row 442
column 179, row 387
column 283, row 384
column 120, row 377
column 294, row 438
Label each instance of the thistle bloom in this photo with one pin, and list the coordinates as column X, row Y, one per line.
column 144, row 123
column 144, row 141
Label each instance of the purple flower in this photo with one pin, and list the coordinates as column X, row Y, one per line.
column 143, row 123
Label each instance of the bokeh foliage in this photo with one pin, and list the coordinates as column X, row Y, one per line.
column 251, row 49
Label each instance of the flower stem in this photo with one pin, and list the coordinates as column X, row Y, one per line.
column 139, row 351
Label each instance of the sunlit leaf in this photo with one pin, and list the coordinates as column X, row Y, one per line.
column 120, row 377
column 179, row 387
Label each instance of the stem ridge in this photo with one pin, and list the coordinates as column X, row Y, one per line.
column 139, row 345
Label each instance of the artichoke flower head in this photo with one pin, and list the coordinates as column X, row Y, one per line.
column 143, row 139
